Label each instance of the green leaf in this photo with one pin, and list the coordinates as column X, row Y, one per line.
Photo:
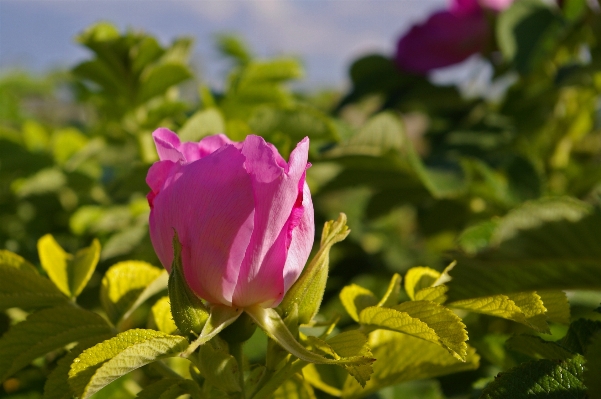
column 10, row 259
column 57, row 386
column 126, row 285
column 447, row 325
column 219, row 318
column 537, row 348
column 355, row 298
column 234, row 47
column 418, row 278
column 433, row 294
column 189, row 313
column 383, row 138
column 101, row 364
column 525, row 308
column 549, row 244
column 275, row 328
column 349, row 344
column 540, row 378
column 161, row 315
column 521, row 31
column 557, row 305
column 294, row 388
column 45, row 331
column 203, row 123
column 307, row 291
column 21, row 286
column 402, row 357
column 275, row 70
column 218, row 366
column 69, row 272
column 593, row 367
column 579, row 335
column 170, row 388
column 425, row 320
column 158, row 79
column 393, row 293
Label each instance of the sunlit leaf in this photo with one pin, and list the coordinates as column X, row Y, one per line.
column 356, row 298
column 45, row 331
column 418, row 278
column 160, row 78
column 402, row 357
column 99, row 365
column 69, row 272
column 294, row 388
column 161, row 315
column 219, row 367
column 128, row 284
column 447, row 325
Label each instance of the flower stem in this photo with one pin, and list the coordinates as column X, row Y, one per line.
column 236, row 352
column 279, row 377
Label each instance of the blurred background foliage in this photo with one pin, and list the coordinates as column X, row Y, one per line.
column 412, row 163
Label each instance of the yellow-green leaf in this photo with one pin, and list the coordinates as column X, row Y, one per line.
column 10, row 259
column 392, row 294
column 69, row 272
column 418, row 278
column 557, row 305
column 218, row 366
column 101, row 364
column 21, row 286
column 294, row 388
column 400, row 322
column 447, row 325
column 161, row 314
column 433, row 294
column 203, row 123
column 45, row 331
column 356, row 298
column 128, row 284
column 525, row 308
column 402, row 357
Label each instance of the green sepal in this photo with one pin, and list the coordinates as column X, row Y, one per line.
column 189, row 313
column 219, row 318
column 275, row 328
column 308, row 290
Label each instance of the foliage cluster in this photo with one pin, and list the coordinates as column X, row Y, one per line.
column 506, row 182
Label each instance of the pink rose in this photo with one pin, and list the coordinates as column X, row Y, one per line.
column 447, row 37
column 243, row 215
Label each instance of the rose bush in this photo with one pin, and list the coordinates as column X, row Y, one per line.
column 448, row 36
column 243, row 215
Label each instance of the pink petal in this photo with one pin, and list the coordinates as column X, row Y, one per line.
column 157, row 175
column 167, row 144
column 464, row 7
column 209, row 203
column 301, row 242
column 275, row 190
column 444, row 39
column 496, row 5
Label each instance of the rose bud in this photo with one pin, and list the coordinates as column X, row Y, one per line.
column 243, row 215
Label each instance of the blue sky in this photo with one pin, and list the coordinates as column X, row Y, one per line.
column 326, row 34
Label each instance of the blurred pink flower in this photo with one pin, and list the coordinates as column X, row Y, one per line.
column 447, row 37
column 244, row 216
